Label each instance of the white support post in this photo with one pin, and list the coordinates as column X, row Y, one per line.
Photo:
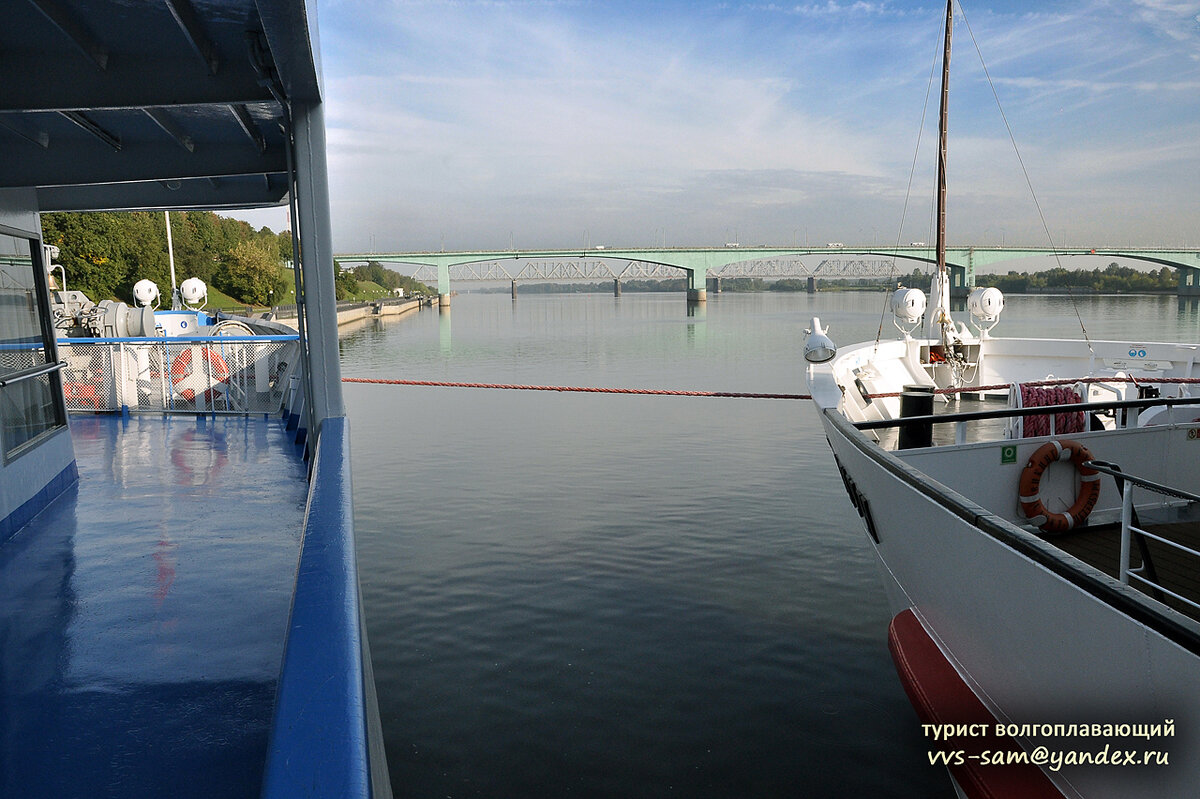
column 1126, row 536
column 316, row 262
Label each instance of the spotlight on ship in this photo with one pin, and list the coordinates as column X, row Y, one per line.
column 986, row 305
column 908, row 306
column 818, row 348
column 146, row 293
column 194, row 292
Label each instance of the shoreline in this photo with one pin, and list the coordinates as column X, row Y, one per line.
column 349, row 313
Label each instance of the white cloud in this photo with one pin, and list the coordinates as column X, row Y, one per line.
column 472, row 120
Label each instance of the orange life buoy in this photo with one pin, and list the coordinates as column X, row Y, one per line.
column 1031, row 479
column 78, row 394
column 191, row 382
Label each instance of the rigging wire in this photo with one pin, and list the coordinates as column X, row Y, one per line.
column 1028, row 182
column 908, row 192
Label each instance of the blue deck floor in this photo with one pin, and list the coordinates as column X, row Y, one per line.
column 142, row 614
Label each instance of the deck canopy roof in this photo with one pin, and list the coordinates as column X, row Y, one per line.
column 121, row 104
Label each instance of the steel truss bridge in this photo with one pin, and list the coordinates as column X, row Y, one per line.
column 699, row 265
column 601, row 269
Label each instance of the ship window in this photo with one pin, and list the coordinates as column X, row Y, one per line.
column 29, row 405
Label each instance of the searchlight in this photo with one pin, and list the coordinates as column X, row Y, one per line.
column 908, row 306
column 194, row 293
column 818, row 348
column 146, row 293
column 986, row 305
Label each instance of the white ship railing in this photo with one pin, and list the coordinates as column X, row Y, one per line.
column 961, row 420
column 213, row 374
column 1130, row 527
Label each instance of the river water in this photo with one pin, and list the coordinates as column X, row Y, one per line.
column 603, row 595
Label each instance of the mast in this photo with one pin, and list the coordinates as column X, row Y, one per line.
column 939, row 316
column 942, row 118
column 175, row 304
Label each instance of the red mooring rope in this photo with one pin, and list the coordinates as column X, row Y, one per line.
column 750, row 395
column 581, row 389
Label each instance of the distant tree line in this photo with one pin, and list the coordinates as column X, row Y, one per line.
column 375, row 272
column 1113, row 279
column 105, row 253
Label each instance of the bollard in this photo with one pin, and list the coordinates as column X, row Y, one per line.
column 916, row 401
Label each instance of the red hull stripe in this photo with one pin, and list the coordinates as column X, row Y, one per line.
column 941, row 696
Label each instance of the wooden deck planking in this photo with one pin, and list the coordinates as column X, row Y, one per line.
column 1177, row 571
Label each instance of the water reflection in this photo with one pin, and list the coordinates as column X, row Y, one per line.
column 444, row 329
column 697, row 314
column 37, row 608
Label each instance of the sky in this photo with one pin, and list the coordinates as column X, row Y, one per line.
column 463, row 124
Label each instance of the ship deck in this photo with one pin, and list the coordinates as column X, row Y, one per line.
column 143, row 613
column 1100, row 546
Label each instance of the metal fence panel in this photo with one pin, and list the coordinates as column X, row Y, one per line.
column 217, row 375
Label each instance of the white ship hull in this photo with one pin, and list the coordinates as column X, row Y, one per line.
column 1040, row 637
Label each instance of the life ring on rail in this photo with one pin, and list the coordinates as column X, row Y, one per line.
column 207, row 381
column 79, row 394
column 1031, row 479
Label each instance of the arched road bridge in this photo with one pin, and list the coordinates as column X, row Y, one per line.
column 701, row 263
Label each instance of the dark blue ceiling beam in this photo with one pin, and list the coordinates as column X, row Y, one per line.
column 129, row 82
column 135, row 162
column 246, row 123
column 67, row 22
column 189, row 22
column 171, row 128
column 85, row 122
column 241, row 192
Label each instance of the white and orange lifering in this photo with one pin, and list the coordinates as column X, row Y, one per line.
column 191, row 382
column 1031, row 479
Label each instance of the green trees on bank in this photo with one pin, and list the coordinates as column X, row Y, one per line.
column 104, row 254
column 251, row 272
column 391, row 279
column 1114, row 279
column 346, row 284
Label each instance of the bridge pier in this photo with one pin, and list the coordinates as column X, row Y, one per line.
column 616, row 287
column 514, row 289
column 443, row 285
column 1189, row 282
column 962, row 278
column 697, row 284
column 714, row 285
column 811, row 288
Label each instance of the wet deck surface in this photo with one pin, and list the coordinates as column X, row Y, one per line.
column 945, row 434
column 142, row 615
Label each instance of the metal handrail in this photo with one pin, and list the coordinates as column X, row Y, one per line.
column 1130, row 527
column 29, row 374
column 1038, row 410
column 1113, row 470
